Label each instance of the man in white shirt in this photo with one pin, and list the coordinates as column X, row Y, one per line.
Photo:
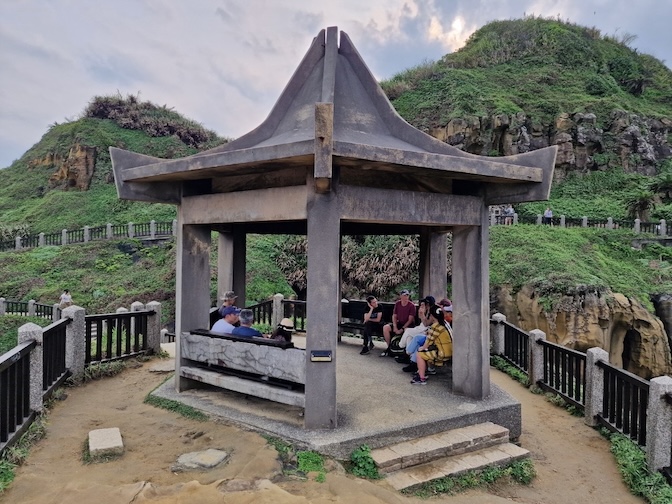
column 225, row 325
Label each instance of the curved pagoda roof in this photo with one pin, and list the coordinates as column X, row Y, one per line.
column 334, row 114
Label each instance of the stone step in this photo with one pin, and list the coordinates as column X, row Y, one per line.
column 443, row 444
column 497, row 455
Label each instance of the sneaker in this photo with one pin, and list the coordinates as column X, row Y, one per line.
column 403, row 359
column 365, row 351
column 371, row 345
column 418, row 381
column 411, row 368
column 385, row 353
column 431, row 370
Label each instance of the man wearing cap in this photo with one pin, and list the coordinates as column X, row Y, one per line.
column 246, row 330
column 403, row 317
column 225, row 325
column 421, row 329
column 228, row 299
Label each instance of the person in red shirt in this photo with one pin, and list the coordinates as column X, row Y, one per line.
column 403, row 317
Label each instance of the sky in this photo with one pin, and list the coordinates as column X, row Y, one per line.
column 224, row 63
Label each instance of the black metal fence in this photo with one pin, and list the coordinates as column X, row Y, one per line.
column 625, row 400
column 516, row 347
column 41, row 310
column 295, row 310
column 113, row 336
column 564, row 373
column 55, row 371
column 263, row 312
column 15, row 413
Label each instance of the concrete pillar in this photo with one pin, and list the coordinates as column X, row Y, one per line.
column 75, row 339
column 638, row 224
column 87, row 234
column 497, row 335
column 535, row 356
column 17, row 243
column 28, row 332
column 663, row 228
column 515, row 218
column 278, row 313
column 224, row 266
column 471, row 309
column 174, row 227
column 239, row 263
column 594, row 384
column 584, row 221
column 562, row 221
column 64, row 237
column 539, row 219
column 659, row 424
column 152, row 229
column 493, row 219
column 610, row 223
column 109, row 232
column 31, row 308
column 433, row 264
column 131, row 230
column 56, row 312
column 323, row 308
column 136, row 306
column 154, row 327
column 164, row 336
column 192, row 288
column 3, row 306
column 40, row 240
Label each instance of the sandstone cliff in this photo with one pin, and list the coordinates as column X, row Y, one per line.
column 75, row 170
column 635, row 339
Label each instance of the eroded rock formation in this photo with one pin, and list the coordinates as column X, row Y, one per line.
column 72, row 171
column 635, row 338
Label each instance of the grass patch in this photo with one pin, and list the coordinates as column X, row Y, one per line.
column 559, row 401
column 520, row 472
column 17, row 454
column 310, row 461
column 499, row 363
column 362, row 464
column 176, row 407
column 9, row 329
column 87, row 458
column 298, row 462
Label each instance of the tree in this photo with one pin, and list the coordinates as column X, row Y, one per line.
column 662, row 185
column 639, row 202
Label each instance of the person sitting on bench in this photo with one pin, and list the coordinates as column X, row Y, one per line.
column 438, row 346
column 420, row 329
column 225, row 325
column 403, row 317
column 246, row 330
column 372, row 320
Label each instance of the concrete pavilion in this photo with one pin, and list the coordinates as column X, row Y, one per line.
column 333, row 158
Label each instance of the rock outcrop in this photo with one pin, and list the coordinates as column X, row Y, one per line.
column 73, row 171
column 635, row 338
column 627, row 140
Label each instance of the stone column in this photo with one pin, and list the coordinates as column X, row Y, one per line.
column 515, row 218
column 610, row 223
column 239, row 263
column 40, row 240
column 663, row 228
column 539, row 219
column 323, row 308
column 109, row 232
column 638, row 224
column 154, row 327
column 471, row 355
column 562, row 221
column 659, row 424
column 3, row 306
column 192, row 288
column 497, row 334
column 31, row 308
column 584, row 221
column 277, row 314
column 163, row 336
column 56, row 312
column 87, row 234
column 174, row 227
column 152, row 229
column 28, row 332
column 594, row 384
column 131, row 230
column 136, row 306
column 224, row 265
column 535, row 356
column 17, row 243
column 64, row 237
column 433, row 264
column 75, row 339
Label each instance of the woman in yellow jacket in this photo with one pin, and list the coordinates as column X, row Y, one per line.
column 438, row 346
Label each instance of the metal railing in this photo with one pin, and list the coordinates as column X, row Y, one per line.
column 564, row 373
column 55, row 371
column 15, row 414
column 625, row 401
column 516, row 347
column 295, row 310
column 53, row 238
column 112, row 336
column 263, row 312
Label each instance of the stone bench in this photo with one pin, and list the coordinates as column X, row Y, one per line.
column 261, row 367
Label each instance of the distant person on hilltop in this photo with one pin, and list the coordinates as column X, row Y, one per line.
column 65, row 300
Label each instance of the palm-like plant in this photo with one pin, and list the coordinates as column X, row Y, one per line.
column 662, row 185
column 639, row 203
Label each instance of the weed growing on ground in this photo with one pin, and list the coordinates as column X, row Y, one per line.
column 177, row 407
column 559, row 401
column 310, row 461
column 17, row 454
column 521, row 472
column 362, row 464
column 298, row 462
column 499, row 363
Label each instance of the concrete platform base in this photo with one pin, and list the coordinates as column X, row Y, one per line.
column 104, row 442
column 376, row 403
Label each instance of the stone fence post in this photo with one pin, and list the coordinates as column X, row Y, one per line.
column 515, row 218
column 154, row 327
column 164, row 336
column 536, row 356
column 17, row 243
column 64, row 237
column 637, row 226
column 584, row 221
column 277, row 313
column 29, row 332
column 109, row 233
column 610, row 223
column 174, row 227
column 538, row 219
column 594, row 384
column 3, row 306
column 136, row 306
column 152, row 229
column 659, row 424
column 663, row 228
column 562, row 221
column 87, row 234
column 493, row 219
column 55, row 312
column 31, row 308
column 40, row 240
column 497, row 334
column 75, row 339
column 131, row 230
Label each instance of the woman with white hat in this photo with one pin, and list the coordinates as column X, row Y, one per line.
column 284, row 330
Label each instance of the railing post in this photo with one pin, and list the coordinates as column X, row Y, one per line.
column 154, row 327
column 64, row 237
column 515, row 218
column 562, row 221
column 29, row 332
column 55, row 312
column 663, row 228
column 638, row 224
column 659, row 424
column 136, row 306
column 87, row 234
column 610, row 223
column 3, row 306
column 497, row 335
column 277, row 313
column 31, row 308
column 594, row 384
column 538, row 219
column 75, row 339
column 17, row 243
column 152, row 229
column 109, row 231
column 131, row 230
column 493, row 219
column 536, row 356
column 164, row 335
column 174, row 227
column 584, row 221
column 40, row 240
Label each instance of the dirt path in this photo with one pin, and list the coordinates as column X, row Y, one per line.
column 572, row 461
